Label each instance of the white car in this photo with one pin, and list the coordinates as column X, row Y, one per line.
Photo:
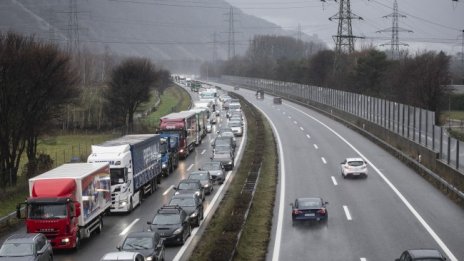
column 209, row 128
column 354, row 167
column 123, row 255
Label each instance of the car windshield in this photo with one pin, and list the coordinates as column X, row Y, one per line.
column 47, row 211
column 356, row 163
column 188, row 185
column 235, row 124
column 137, row 243
column 222, row 148
column 17, row 249
column 183, row 202
column 166, row 219
column 199, row 176
column 309, row 203
column 211, row 166
column 227, row 134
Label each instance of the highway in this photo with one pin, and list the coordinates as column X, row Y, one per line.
column 377, row 218
column 117, row 226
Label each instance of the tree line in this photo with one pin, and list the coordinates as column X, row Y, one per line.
column 39, row 82
column 419, row 80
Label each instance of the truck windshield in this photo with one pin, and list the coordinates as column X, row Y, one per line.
column 117, row 176
column 47, row 211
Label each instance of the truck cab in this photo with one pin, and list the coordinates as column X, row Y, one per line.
column 169, row 149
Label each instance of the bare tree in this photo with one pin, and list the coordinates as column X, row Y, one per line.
column 36, row 80
column 129, row 86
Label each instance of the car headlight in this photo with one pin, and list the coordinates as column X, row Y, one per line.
column 230, row 162
column 194, row 214
column 164, row 165
column 207, row 186
column 177, row 231
column 149, row 258
column 198, row 193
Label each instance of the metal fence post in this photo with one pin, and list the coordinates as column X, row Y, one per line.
column 457, row 154
column 420, row 126
column 449, row 150
column 414, row 124
column 433, row 137
column 426, row 128
column 441, row 142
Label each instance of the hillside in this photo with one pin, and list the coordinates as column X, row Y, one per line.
column 171, row 32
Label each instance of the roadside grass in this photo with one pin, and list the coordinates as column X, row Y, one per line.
column 256, row 234
column 174, row 98
column 455, row 115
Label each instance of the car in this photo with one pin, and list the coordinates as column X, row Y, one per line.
column 216, row 170
column 224, row 140
column 27, row 246
column 277, row 100
column 421, row 254
column 228, row 134
column 172, row 223
column 123, row 256
column 148, row 243
column 205, row 179
column 213, row 119
column 309, row 209
column 209, row 128
column 223, row 147
column 236, row 127
column 191, row 203
column 227, row 159
column 236, row 88
column 190, row 186
column 354, row 167
column 259, row 95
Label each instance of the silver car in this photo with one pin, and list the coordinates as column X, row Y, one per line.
column 123, row 256
column 216, row 170
column 32, row 246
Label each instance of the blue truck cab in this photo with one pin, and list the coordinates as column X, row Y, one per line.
column 169, row 149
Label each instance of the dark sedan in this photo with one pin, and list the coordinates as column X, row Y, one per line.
column 205, row 179
column 309, row 209
column 227, row 159
column 148, row 243
column 191, row 204
column 22, row 247
column 421, row 254
column 172, row 223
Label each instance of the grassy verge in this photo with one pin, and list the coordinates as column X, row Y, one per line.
column 217, row 239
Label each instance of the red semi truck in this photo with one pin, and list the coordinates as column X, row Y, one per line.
column 67, row 203
column 185, row 124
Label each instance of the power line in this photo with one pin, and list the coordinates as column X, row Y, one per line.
column 395, row 29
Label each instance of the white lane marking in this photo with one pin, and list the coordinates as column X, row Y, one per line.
column 289, row 117
column 212, row 203
column 203, row 152
column 295, row 122
column 334, row 181
column 347, row 212
column 323, row 160
column 129, row 227
column 211, row 140
column 167, row 190
column 190, row 167
column 315, row 146
column 301, row 128
column 393, row 187
column 307, row 135
column 363, row 259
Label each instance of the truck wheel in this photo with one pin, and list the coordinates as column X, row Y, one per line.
column 100, row 226
column 78, row 241
column 131, row 206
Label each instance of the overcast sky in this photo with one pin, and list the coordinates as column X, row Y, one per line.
column 436, row 24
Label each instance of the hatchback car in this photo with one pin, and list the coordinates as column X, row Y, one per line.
column 172, row 223
column 148, row 243
column 191, row 204
column 190, row 186
column 354, row 167
column 205, row 179
column 421, row 254
column 228, row 141
column 123, row 256
column 237, row 127
column 216, row 170
column 309, row 209
column 32, row 246
column 227, row 159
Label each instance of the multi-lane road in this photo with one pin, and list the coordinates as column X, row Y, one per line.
column 369, row 219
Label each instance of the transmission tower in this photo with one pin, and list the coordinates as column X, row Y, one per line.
column 215, row 55
column 231, row 35
column 395, row 29
column 299, row 32
column 73, row 28
column 344, row 40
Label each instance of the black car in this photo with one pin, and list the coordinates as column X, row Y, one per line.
column 190, row 186
column 205, row 179
column 32, row 246
column 148, row 243
column 172, row 223
column 227, row 159
column 309, row 209
column 190, row 203
column 421, row 254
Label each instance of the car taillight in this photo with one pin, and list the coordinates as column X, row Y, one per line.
column 322, row 211
column 297, row 211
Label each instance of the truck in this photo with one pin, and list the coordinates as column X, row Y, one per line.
column 169, row 147
column 67, row 204
column 195, row 86
column 202, row 120
column 135, row 167
column 184, row 124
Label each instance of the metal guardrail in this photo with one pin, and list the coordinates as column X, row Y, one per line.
column 8, row 220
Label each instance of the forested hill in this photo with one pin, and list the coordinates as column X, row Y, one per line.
column 168, row 30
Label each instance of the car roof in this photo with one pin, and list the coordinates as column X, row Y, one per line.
column 418, row 253
column 22, row 238
column 142, row 234
column 170, row 209
column 120, row 255
column 189, row 181
column 199, row 172
column 185, row 195
column 309, row 199
column 354, row 159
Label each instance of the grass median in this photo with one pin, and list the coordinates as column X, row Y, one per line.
column 217, row 242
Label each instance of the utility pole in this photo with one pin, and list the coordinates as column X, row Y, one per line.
column 73, row 28
column 299, row 32
column 215, row 55
column 395, row 29
column 231, row 35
